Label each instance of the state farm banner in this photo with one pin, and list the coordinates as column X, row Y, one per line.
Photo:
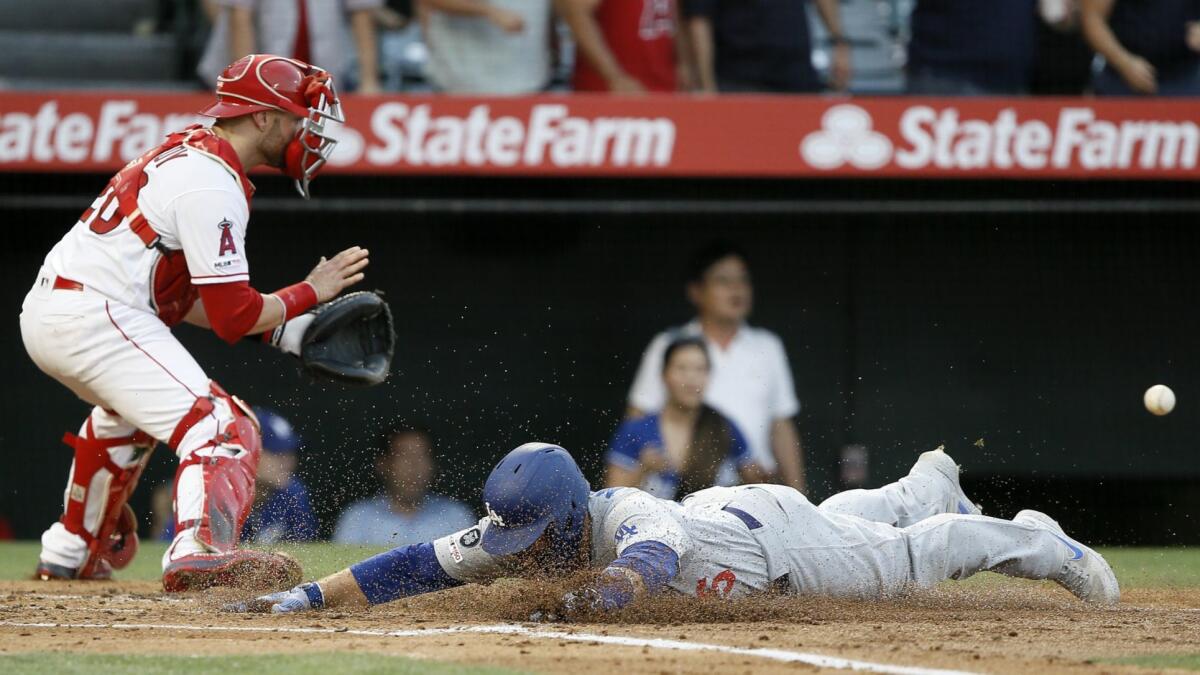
column 741, row 136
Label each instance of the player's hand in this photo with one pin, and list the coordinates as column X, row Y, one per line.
column 507, row 21
column 343, row 270
column 302, row 598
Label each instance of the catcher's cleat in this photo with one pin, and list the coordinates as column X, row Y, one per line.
column 242, row 569
column 101, row 571
column 1085, row 573
column 937, row 462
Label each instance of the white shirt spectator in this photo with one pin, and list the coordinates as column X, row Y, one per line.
column 750, row 383
column 472, row 55
column 372, row 522
column 276, row 23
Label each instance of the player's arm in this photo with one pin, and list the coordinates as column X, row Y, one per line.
column 643, row 568
column 650, row 542
column 211, row 228
column 234, row 309
column 401, row 572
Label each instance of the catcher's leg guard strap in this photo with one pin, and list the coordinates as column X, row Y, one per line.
column 224, row 472
column 103, row 476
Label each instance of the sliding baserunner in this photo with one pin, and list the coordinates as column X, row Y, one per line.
column 543, row 518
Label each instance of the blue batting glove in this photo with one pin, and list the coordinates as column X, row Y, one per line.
column 300, row 599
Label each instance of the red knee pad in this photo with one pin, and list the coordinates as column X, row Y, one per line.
column 228, row 481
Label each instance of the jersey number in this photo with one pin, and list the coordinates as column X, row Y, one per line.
column 721, row 586
column 103, row 215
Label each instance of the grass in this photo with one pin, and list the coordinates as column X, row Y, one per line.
column 1159, row 661
column 68, row 663
column 18, row 559
column 1135, row 567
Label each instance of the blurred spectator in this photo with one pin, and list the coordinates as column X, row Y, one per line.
column 406, row 513
column 624, row 46
column 763, row 45
column 313, row 31
column 6, row 531
column 282, row 510
column 1149, row 46
column 678, row 451
column 1063, row 66
column 751, row 380
column 971, row 47
column 487, row 46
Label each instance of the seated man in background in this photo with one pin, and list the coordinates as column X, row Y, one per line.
column 751, row 380
column 487, row 46
column 405, row 512
column 282, row 510
column 678, row 451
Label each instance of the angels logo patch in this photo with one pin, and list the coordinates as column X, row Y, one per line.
column 227, row 245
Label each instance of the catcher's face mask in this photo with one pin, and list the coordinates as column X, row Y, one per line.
column 268, row 82
column 310, row 148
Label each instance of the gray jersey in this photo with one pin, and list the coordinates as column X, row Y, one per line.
column 718, row 554
column 861, row 543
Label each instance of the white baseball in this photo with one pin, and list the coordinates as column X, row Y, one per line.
column 1159, row 399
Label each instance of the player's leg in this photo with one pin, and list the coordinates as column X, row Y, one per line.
column 217, row 441
column 64, row 333
column 1031, row 546
column 930, row 488
column 97, row 531
column 130, row 363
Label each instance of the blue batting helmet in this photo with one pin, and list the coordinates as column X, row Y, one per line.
column 278, row 436
column 534, row 489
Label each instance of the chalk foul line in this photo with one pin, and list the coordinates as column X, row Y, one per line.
column 513, row 629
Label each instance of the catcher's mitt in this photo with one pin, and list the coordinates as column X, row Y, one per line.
column 351, row 339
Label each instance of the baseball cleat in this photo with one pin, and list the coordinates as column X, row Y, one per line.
column 1085, row 573
column 51, row 572
column 937, row 461
column 242, row 569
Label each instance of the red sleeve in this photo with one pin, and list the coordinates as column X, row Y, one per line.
column 232, row 308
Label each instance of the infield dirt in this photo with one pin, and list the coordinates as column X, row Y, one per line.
column 1002, row 628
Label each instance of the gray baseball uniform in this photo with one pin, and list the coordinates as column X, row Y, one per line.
column 862, row 543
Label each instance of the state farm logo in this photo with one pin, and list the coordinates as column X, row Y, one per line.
column 925, row 137
column 846, row 137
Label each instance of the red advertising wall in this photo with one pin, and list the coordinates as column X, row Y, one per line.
column 734, row 136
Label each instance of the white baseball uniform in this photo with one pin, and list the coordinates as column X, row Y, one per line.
column 734, row 540
column 97, row 318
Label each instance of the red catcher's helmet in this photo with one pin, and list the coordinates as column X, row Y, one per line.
column 268, row 82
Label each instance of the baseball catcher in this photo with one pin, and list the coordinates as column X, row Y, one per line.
column 163, row 244
column 722, row 541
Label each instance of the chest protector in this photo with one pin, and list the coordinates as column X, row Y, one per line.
column 171, row 291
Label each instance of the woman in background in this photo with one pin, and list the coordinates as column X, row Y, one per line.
column 679, row 449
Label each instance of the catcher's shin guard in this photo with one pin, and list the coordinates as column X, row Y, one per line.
column 103, row 476
column 224, row 470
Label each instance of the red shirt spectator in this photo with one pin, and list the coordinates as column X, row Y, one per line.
column 623, row 45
